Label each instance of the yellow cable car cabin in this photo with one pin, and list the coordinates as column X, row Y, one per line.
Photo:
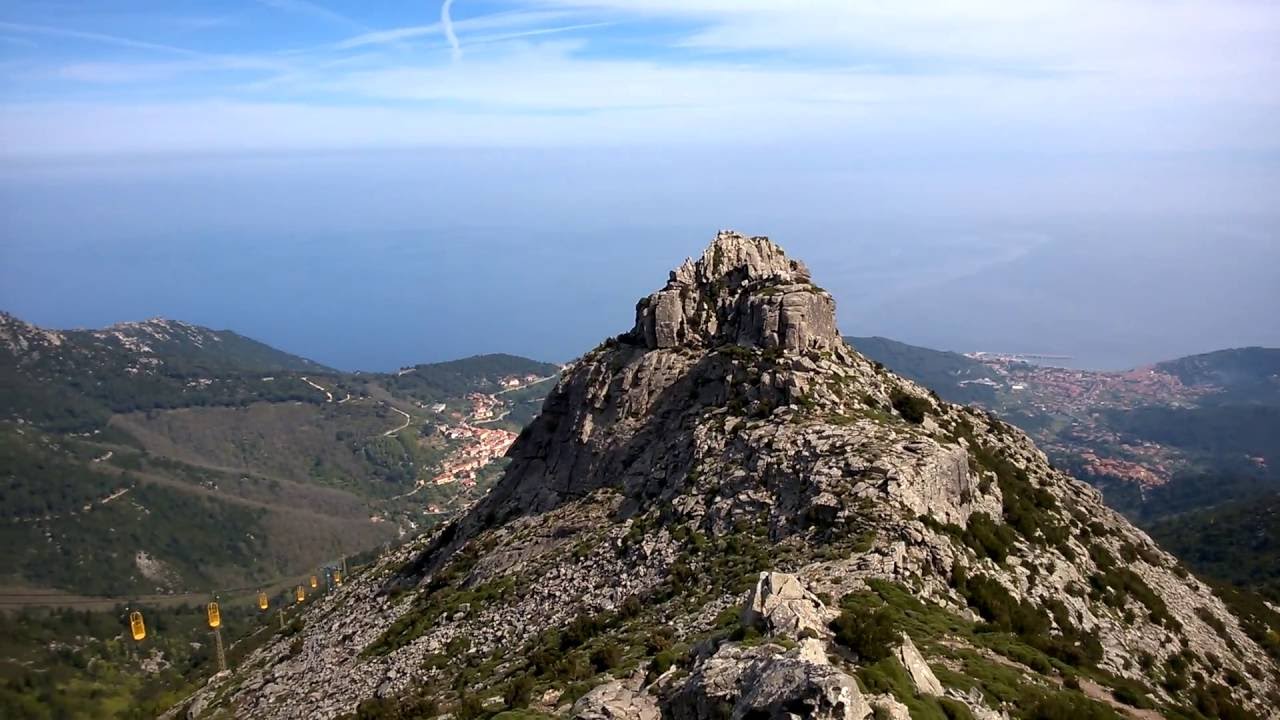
column 263, row 603
column 137, row 627
column 215, row 616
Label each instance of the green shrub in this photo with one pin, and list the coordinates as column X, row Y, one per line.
column 910, row 407
column 1027, row 508
column 988, row 538
column 872, row 635
column 518, row 692
column 1069, row 706
column 606, row 657
column 1130, row 696
column 999, row 609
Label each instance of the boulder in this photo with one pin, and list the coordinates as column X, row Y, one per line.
column 783, row 606
column 921, row 675
column 887, row 707
column 765, row 683
column 615, row 701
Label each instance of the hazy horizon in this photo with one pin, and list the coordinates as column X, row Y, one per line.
column 347, row 183
column 344, row 272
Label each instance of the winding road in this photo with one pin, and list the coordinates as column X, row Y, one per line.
column 407, row 419
column 327, row 394
column 522, row 387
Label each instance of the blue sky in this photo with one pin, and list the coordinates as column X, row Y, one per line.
column 121, row 76
column 1088, row 177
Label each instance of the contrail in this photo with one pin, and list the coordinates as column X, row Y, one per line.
column 447, row 22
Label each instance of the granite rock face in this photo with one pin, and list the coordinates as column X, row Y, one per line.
column 766, row 682
column 743, row 290
column 922, row 676
column 785, row 607
column 615, row 701
column 700, row 497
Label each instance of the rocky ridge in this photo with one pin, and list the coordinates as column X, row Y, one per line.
column 727, row 512
column 139, row 347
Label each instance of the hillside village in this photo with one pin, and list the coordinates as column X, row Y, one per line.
column 1072, row 404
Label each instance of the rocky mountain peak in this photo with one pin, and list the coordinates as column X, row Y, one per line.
column 728, row 512
column 743, row 290
column 21, row 338
column 734, row 258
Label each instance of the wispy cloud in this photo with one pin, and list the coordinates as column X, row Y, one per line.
column 491, row 21
column 96, row 37
column 540, row 32
column 314, row 10
column 982, row 74
column 446, row 23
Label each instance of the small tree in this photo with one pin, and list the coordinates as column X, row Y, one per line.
column 870, row 635
column 911, row 408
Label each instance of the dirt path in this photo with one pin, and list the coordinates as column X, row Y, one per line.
column 87, row 507
column 407, row 419
column 114, row 495
column 328, row 395
column 1097, row 692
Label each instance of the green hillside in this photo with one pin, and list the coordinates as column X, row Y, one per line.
column 165, row 457
column 138, row 522
column 1248, row 374
column 1236, row 542
column 434, row 382
column 953, row 376
column 74, row 380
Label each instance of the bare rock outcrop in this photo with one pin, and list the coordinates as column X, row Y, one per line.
column 784, row 607
column 766, row 682
column 922, row 676
column 615, row 701
column 731, row 436
column 743, row 290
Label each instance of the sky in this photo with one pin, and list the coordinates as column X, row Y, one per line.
column 375, row 184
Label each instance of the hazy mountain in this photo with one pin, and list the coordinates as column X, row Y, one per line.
column 728, row 512
column 1243, row 375
column 74, row 379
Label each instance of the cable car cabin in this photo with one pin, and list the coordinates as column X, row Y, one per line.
column 137, row 627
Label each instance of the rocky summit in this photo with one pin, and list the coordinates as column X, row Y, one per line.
column 726, row 512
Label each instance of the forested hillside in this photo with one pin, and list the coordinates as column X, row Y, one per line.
column 166, row 457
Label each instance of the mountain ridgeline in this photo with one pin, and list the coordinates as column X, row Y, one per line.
column 73, row 380
column 727, row 512
column 163, row 457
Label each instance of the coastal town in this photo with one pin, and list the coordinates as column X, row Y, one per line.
column 1065, row 409
column 474, row 439
column 481, row 447
column 1048, row 388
